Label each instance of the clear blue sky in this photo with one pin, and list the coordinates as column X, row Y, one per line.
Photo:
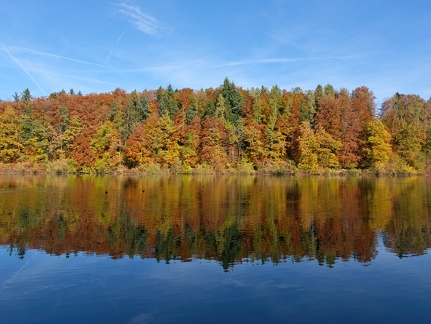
column 97, row 46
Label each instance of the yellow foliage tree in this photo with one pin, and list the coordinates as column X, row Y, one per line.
column 10, row 147
column 105, row 146
column 378, row 144
column 308, row 146
column 317, row 149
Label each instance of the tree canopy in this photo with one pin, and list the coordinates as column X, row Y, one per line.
column 223, row 129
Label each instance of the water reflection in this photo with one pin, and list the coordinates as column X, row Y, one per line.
column 228, row 219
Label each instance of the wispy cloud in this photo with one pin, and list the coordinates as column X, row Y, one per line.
column 141, row 21
column 261, row 61
column 281, row 60
column 62, row 78
column 22, row 67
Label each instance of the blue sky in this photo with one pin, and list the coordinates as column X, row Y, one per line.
column 97, row 46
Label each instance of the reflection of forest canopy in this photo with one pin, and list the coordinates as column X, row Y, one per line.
column 222, row 129
column 233, row 219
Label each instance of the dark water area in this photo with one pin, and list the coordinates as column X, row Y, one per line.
column 193, row 249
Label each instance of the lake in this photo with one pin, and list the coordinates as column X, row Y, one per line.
column 214, row 249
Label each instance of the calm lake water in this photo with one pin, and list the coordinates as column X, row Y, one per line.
column 214, row 249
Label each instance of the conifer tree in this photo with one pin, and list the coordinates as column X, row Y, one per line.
column 233, row 101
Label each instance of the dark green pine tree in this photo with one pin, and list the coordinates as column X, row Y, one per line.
column 162, row 101
column 318, row 95
column 173, row 102
column 308, row 108
column 329, row 90
column 144, row 105
column 193, row 110
column 26, row 95
column 166, row 101
column 137, row 110
column 116, row 116
column 233, row 101
column 64, row 119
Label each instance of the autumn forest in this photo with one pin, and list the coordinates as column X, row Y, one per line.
column 227, row 130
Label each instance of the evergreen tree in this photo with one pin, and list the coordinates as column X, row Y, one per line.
column 136, row 110
column 233, row 101
column 144, row 106
column 167, row 102
column 329, row 91
column 162, row 101
column 64, row 119
column 26, row 95
column 220, row 110
column 35, row 139
column 274, row 105
column 193, row 110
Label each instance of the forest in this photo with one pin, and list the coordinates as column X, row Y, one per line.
column 223, row 130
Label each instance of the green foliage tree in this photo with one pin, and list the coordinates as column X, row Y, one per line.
column 427, row 144
column 233, row 101
column 193, row 110
column 116, row 116
column 408, row 117
column 329, row 91
column 132, row 114
column 402, row 110
column 69, row 136
column 26, row 95
column 144, row 105
column 274, row 105
column 318, row 95
column 39, row 142
column 190, row 150
column 35, row 139
column 64, row 119
column 166, row 101
column 233, row 141
column 106, row 148
column 308, row 107
column 220, row 108
column 408, row 144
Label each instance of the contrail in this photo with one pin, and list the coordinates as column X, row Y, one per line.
column 22, row 68
column 121, row 36
column 116, row 43
column 28, row 50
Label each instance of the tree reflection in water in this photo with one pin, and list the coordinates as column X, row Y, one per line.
column 228, row 219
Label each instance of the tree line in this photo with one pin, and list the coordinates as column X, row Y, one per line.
column 226, row 129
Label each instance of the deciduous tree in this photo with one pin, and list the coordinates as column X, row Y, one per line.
column 10, row 146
